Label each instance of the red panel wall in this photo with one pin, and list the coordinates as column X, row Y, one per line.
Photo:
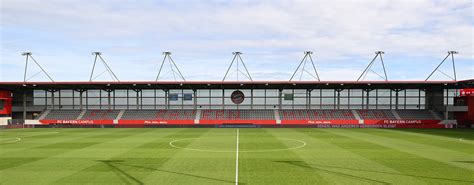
column 470, row 108
column 6, row 96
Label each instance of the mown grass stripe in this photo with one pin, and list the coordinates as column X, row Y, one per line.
column 342, row 164
column 186, row 166
column 55, row 160
column 131, row 166
column 459, row 144
column 419, row 149
column 273, row 167
column 384, row 152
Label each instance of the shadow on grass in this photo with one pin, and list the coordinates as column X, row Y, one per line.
column 305, row 165
column 114, row 165
column 320, row 167
column 464, row 161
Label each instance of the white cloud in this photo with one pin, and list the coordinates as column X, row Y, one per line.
column 268, row 32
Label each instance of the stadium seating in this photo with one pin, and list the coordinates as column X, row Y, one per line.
column 159, row 115
column 416, row 114
column 237, row 114
column 376, row 114
column 259, row 116
column 101, row 114
column 63, row 114
column 316, row 115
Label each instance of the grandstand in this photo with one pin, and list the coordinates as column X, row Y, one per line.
column 385, row 103
column 208, row 103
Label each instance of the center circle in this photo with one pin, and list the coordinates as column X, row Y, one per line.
column 215, row 144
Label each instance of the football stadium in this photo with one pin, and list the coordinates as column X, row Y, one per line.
column 236, row 92
column 236, row 132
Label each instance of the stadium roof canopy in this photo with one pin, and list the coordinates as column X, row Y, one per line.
column 240, row 85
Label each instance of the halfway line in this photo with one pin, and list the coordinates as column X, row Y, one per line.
column 237, row 160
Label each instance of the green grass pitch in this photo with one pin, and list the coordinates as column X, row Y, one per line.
column 209, row 156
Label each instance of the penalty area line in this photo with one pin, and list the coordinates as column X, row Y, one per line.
column 237, row 159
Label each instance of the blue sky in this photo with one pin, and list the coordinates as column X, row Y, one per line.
column 202, row 35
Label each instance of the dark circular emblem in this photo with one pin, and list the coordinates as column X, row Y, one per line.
column 237, row 97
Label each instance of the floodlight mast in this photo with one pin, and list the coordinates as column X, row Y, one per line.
column 307, row 55
column 173, row 67
column 237, row 58
column 368, row 68
column 28, row 56
column 98, row 55
column 450, row 53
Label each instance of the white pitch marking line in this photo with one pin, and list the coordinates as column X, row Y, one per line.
column 237, row 160
column 303, row 144
column 9, row 140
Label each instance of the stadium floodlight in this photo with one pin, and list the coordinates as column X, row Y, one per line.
column 98, row 56
column 302, row 65
column 450, row 53
column 173, row 67
column 26, row 53
column 237, row 59
column 369, row 67
column 28, row 56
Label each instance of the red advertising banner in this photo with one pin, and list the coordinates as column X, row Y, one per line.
column 466, row 92
column 401, row 121
column 257, row 122
column 79, row 122
column 180, row 122
column 319, row 121
column 218, row 122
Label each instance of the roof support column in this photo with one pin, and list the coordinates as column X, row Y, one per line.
column 109, row 99
column 195, row 99
column 251, row 98
column 24, row 106
column 279, row 98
